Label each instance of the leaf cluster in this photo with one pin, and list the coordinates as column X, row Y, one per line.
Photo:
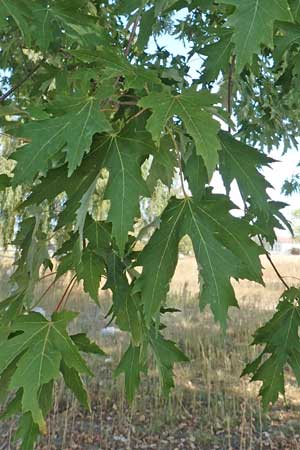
column 99, row 123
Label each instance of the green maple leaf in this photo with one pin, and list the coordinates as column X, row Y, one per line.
column 44, row 28
column 42, row 345
column 195, row 110
column 159, row 259
column 281, row 338
column 240, row 162
column 28, row 431
column 83, row 209
column 266, row 224
column 166, row 353
column 234, row 233
column 79, row 25
column 295, row 7
column 5, row 380
column 272, row 376
column 253, row 24
column 196, row 174
column 79, row 188
column 98, row 234
column 294, row 362
column 130, row 366
column 14, row 407
column 84, row 344
column 91, row 269
column 49, row 20
column 114, row 64
column 75, row 384
column 290, row 36
column 116, row 279
column 147, row 22
column 216, row 264
column 33, row 253
column 10, row 308
column 70, row 258
column 20, row 14
column 46, row 140
column 85, row 121
column 73, row 131
column 37, row 367
column 222, row 247
column 124, row 155
column 55, row 182
column 288, row 313
column 128, row 317
column 162, row 166
column 218, row 57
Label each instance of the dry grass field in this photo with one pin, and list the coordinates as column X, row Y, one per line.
column 211, row 408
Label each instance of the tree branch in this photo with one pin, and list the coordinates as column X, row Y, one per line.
column 230, row 89
column 45, row 293
column 69, row 286
column 281, row 278
column 14, row 88
column 132, row 36
column 69, row 293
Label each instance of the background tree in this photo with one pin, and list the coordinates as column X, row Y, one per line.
column 97, row 125
column 296, row 223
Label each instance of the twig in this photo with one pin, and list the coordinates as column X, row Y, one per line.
column 14, row 88
column 129, row 44
column 135, row 115
column 70, row 290
column 132, row 36
column 115, row 104
column 48, row 275
column 65, row 293
column 281, row 278
column 269, row 258
column 44, row 293
column 127, row 103
column 229, row 89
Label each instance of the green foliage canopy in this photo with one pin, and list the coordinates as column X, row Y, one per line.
column 96, row 123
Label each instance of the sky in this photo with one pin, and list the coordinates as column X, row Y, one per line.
column 279, row 171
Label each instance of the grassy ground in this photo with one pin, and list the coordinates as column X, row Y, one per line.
column 211, row 407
